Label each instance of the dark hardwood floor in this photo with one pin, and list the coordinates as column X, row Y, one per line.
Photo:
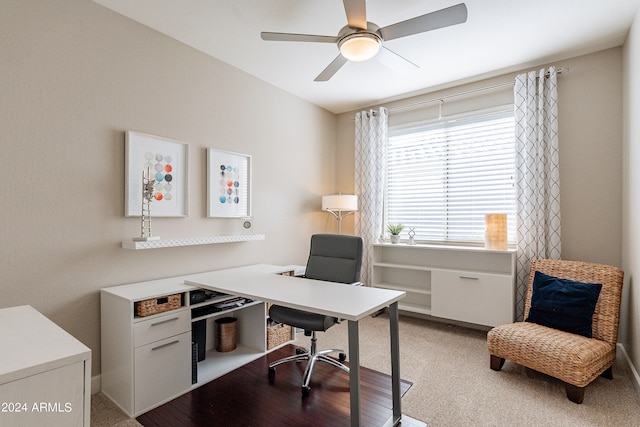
column 245, row 398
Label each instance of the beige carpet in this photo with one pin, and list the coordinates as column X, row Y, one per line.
column 453, row 385
column 105, row 413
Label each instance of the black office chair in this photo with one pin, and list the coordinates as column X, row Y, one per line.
column 333, row 258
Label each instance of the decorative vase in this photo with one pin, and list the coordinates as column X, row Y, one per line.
column 412, row 235
column 395, row 238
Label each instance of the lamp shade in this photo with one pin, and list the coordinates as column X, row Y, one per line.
column 495, row 236
column 359, row 46
column 340, row 202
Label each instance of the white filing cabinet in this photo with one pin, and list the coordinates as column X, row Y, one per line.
column 147, row 361
column 45, row 373
column 162, row 358
column 467, row 284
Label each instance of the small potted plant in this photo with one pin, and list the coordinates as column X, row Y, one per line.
column 395, row 230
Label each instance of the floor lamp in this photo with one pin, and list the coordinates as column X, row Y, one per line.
column 340, row 206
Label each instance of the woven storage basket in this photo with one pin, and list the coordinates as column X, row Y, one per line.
column 157, row 305
column 277, row 335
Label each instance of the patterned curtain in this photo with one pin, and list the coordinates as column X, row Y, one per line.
column 370, row 164
column 537, row 174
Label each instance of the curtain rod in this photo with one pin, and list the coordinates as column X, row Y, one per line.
column 564, row 70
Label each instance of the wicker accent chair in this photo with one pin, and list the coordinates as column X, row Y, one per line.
column 574, row 359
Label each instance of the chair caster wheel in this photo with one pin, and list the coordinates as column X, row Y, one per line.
column 342, row 357
column 272, row 375
column 300, row 351
column 305, row 391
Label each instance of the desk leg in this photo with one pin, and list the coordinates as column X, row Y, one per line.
column 395, row 362
column 354, row 373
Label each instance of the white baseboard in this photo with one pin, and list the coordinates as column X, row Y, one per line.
column 96, row 384
column 635, row 378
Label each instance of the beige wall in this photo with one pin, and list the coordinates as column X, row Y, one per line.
column 631, row 195
column 74, row 76
column 590, row 138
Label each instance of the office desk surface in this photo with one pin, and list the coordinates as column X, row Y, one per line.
column 262, row 282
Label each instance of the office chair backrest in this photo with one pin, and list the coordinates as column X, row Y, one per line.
column 335, row 258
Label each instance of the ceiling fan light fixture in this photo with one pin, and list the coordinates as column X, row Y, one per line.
column 359, row 46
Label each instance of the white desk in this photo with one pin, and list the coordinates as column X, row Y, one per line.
column 45, row 373
column 351, row 303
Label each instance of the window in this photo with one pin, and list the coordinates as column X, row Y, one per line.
column 443, row 178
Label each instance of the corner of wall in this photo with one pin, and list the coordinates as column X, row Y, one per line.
column 635, row 377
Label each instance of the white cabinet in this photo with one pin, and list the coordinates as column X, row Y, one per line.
column 467, row 284
column 132, row 374
column 480, row 298
column 162, row 370
column 147, row 361
column 45, row 373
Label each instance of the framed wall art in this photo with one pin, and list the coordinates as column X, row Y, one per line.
column 228, row 184
column 162, row 160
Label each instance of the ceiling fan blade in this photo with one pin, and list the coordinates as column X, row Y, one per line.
column 431, row 21
column 331, row 69
column 356, row 13
column 289, row 37
column 395, row 61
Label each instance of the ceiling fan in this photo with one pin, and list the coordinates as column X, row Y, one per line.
column 361, row 40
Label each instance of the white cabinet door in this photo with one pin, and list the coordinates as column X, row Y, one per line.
column 162, row 371
column 52, row 398
column 480, row 298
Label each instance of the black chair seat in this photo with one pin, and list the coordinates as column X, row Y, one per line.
column 301, row 319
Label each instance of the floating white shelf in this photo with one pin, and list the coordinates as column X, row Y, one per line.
column 190, row 241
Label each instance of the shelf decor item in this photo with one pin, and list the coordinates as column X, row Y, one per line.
column 395, row 230
column 495, row 231
column 145, row 219
column 412, row 235
column 166, row 161
column 340, row 206
column 228, row 184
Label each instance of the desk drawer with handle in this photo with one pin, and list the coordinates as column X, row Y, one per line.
column 161, row 326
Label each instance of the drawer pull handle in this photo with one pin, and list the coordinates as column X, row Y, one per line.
column 469, row 277
column 165, row 345
column 164, row 321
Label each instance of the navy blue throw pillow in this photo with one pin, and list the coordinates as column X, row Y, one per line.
column 563, row 304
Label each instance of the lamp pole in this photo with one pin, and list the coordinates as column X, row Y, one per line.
column 340, row 215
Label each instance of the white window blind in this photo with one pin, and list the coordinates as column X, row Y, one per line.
column 443, row 178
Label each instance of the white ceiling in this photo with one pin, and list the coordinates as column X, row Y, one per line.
column 499, row 36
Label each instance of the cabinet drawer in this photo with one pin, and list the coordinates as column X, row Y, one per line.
column 162, row 371
column 480, row 298
column 161, row 326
